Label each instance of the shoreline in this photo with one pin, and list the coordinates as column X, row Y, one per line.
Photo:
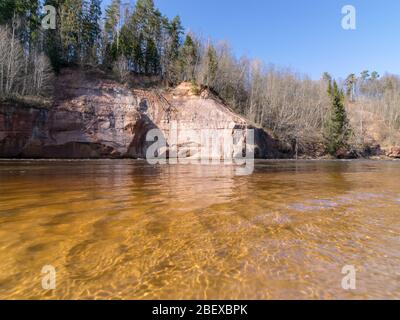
column 372, row 159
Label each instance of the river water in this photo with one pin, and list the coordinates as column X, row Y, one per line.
column 128, row 230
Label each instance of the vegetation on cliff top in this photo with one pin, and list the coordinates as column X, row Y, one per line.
column 139, row 39
column 337, row 129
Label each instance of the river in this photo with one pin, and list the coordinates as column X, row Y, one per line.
column 123, row 229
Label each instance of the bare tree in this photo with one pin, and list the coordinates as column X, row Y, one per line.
column 21, row 72
column 293, row 107
column 11, row 60
column 41, row 74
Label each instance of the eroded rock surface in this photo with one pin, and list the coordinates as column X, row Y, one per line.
column 394, row 152
column 95, row 117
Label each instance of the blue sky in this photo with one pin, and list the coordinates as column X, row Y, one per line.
column 305, row 35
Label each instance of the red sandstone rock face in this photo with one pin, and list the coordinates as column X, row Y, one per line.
column 94, row 117
column 19, row 127
column 394, row 153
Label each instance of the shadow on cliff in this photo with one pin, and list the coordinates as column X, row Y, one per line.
column 139, row 145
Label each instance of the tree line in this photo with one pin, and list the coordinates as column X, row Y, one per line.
column 377, row 95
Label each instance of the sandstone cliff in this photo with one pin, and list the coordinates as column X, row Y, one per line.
column 96, row 117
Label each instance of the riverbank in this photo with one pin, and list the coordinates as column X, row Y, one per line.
column 97, row 117
column 93, row 116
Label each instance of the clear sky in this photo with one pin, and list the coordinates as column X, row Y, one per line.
column 305, row 35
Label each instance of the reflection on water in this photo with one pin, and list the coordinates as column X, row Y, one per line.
column 124, row 229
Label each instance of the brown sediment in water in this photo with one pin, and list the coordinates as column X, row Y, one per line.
column 124, row 229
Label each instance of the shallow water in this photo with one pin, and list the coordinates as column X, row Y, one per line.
column 125, row 229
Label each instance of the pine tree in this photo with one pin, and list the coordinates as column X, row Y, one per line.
column 138, row 54
column 27, row 13
column 174, row 43
column 212, row 66
column 152, row 59
column 91, row 29
column 7, row 9
column 112, row 21
column 364, row 75
column 76, row 37
column 337, row 131
column 71, row 27
column 126, row 42
column 146, row 28
column 175, row 31
column 52, row 38
column 374, row 75
column 188, row 59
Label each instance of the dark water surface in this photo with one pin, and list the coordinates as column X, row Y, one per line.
column 125, row 229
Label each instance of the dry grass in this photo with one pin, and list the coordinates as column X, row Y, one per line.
column 29, row 101
column 370, row 128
